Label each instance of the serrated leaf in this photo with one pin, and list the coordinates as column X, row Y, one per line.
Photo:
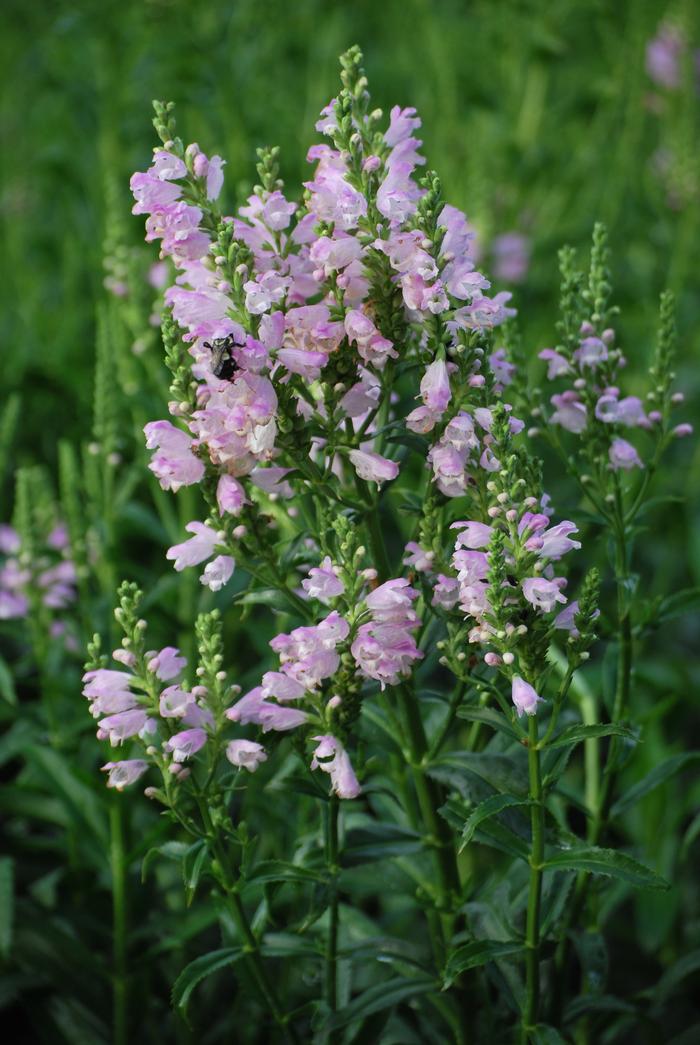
column 658, row 775
column 595, row 1003
column 485, row 810
column 501, row 772
column 579, row 733
column 685, row 966
column 198, row 970
column 606, row 862
column 381, row 996
column 7, row 905
column 478, row 952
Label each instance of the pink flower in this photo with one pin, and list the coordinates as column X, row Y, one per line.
column 197, row 549
column 175, row 465
column 556, row 363
column 122, row 726
column 524, row 697
column 167, row 664
column 435, row 387
column 543, row 594
column 230, row 495
column 175, row 702
column 246, row 754
column 373, row 467
column 623, row 455
column 557, row 542
column 323, row 582
column 121, row 774
column 184, row 745
column 331, row 757
column 445, row 592
column 472, row 534
column 218, row 572
column 570, row 412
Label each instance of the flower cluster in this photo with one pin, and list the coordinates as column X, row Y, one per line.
column 148, row 701
column 44, row 577
column 588, row 359
column 296, row 316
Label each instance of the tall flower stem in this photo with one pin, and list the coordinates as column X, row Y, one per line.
column 429, row 800
column 331, row 969
column 251, row 947
column 600, row 787
column 532, row 929
column 119, row 923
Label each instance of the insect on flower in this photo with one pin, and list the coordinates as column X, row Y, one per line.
column 223, row 365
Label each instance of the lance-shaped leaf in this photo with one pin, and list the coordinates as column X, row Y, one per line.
column 606, row 862
column 381, row 996
column 485, row 810
column 478, row 952
column 198, row 970
column 489, row 717
column 659, row 775
column 579, row 733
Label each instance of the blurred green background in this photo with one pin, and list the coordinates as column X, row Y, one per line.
column 540, row 118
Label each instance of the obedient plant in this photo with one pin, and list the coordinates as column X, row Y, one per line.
column 347, row 406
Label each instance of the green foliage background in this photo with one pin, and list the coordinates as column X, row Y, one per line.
column 537, row 116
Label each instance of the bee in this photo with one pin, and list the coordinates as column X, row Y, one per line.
column 223, row 365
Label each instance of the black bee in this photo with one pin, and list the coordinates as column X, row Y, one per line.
column 223, row 365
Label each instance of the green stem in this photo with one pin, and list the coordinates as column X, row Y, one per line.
column 381, row 559
column 119, row 923
column 599, row 792
column 532, row 930
column 429, row 800
column 331, row 970
column 253, row 958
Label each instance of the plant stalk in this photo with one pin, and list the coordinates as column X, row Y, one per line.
column 534, row 903
column 119, row 923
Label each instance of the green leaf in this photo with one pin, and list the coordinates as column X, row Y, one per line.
column 7, row 905
column 680, row 603
column 80, row 801
column 198, row 970
column 280, row 871
column 658, row 775
column 595, row 1003
column 606, row 862
column 501, row 772
column 478, row 952
column 543, row 1034
column 485, row 810
column 170, row 850
column 577, row 734
column 289, row 945
column 193, row 864
column 490, row 718
column 379, row 841
column 685, row 966
column 7, row 685
column 381, row 996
